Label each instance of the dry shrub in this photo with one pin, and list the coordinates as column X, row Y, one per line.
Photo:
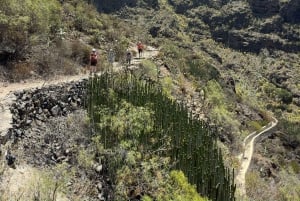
column 60, row 58
column 134, row 53
column 111, row 34
column 69, row 68
column 21, row 71
column 80, row 52
column 48, row 62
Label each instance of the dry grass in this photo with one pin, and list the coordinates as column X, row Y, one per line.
column 27, row 183
column 22, row 70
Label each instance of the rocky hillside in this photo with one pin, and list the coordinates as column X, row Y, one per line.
column 233, row 64
column 247, row 25
column 108, row 6
column 245, row 56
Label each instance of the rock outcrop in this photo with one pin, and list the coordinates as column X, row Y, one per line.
column 247, row 25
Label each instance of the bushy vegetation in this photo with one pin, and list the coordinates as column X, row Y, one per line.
column 41, row 37
column 278, row 93
column 221, row 108
column 291, row 128
column 154, row 126
column 24, row 23
column 148, row 70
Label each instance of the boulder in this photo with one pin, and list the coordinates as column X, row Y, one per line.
column 55, row 110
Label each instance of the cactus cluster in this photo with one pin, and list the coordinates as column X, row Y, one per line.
column 190, row 143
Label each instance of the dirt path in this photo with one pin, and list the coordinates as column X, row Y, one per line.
column 149, row 52
column 6, row 90
column 246, row 157
column 14, row 182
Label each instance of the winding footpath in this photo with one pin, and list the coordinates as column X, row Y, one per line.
column 246, row 156
column 12, row 177
column 15, row 181
column 7, row 90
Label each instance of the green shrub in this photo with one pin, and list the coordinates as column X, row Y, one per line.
column 183, row 190
column 126, row 121
column 295, row 166
column 285, row 96
column 85, row 159
column 202, row 70
column 167, row 86
column 291, row 127
column 148, row 69
column 22, row 21
column 221, row 108
column 255, row 125
column 282, row 94
column 290, row 186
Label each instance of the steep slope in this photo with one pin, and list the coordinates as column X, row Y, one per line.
column 230, row 62
column 248, row 25
column 251, row 49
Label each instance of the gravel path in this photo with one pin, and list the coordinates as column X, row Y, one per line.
column 246, row 157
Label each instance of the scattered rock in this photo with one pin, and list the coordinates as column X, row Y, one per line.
column 98, row 168
column 101, row 197
column 55, row 110
column 99, row 187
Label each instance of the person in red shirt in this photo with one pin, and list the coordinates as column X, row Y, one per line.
column 140, row 48
column 93, row 61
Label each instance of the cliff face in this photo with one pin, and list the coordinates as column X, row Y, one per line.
column 247, row 25
column 288, row 10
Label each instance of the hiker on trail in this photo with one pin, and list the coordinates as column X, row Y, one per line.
column 128, row 57
column 111, row 56
column 93, row 61
column 140, row 48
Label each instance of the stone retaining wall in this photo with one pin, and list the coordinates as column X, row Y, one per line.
column 35, row 106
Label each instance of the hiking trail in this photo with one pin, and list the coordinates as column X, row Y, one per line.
column 246, row 156
column 14, row 182
column 23, row 172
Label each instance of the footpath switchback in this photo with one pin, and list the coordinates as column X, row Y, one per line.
column 246, row 156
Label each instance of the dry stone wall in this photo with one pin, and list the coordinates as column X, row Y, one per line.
column 35, row 106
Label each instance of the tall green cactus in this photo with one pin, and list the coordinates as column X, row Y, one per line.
column 193, row 145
